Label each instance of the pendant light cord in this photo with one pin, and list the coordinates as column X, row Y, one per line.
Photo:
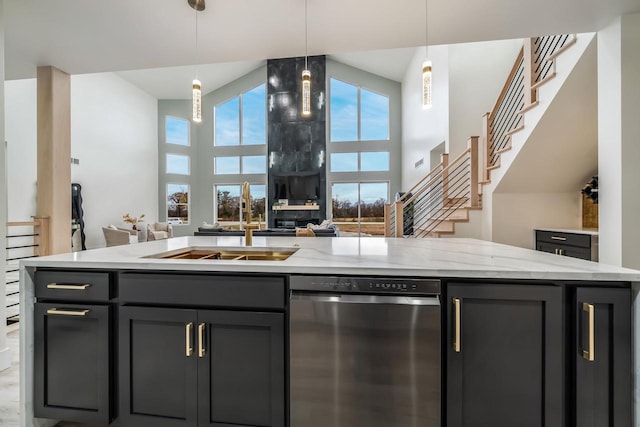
column 426, row 28
column 305, row 36
column 196, row 44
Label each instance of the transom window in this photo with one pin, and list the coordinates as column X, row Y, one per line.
column 240, row 165
column 357, row 114
column 176, row 131
column 178, row 164
column 364, row 161
column 242, row 120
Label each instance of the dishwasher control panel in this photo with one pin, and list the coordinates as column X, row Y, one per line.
column 365, row 284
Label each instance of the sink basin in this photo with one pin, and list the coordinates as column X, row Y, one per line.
column 230, row 254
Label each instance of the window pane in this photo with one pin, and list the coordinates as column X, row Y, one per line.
column 374, row 161
column 254, row 164
column 227, row 119
column 258, row 201
column 344, row 162
column 374, row 116
column 344, row 111
column 345, row 204
column 177, row 163
column 373, row 196
column 254, row 116
column 176, row 131
column 228, row 203
column 178, row 203
column 227, row 165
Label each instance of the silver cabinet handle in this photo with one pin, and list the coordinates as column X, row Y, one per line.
column 590, row 353
column 201, row 350
column 188, row 344
column 69, row 286
column 59, row 312
column 456, row 320
column 558, row 238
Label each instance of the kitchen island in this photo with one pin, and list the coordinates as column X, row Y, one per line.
column 461, row 264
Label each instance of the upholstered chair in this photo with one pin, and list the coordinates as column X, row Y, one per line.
column 159, row 231
column 115, row 236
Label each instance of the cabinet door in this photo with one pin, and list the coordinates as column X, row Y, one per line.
column 72, row 363
column 565, row 250
column 603, row 357
column 504, row 356
column 241, row 372
column 158, row 367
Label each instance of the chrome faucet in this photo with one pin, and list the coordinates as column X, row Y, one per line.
column 246, row 213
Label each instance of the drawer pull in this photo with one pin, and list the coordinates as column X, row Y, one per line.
column 590, row 353
column 69, row 287
column 456, row 338
column 189, row 346
column 201, row 350
column 67, row 312
column 558, row 238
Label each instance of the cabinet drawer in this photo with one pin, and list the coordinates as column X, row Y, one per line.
column 203, row 290
column 570, row 251
column 571, row 239
column 73, row 285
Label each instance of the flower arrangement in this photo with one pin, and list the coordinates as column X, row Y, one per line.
column 132, row 220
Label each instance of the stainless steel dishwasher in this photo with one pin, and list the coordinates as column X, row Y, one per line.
column 364, row 351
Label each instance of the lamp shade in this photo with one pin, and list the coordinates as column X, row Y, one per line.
column 426, row 84
column 197, row 101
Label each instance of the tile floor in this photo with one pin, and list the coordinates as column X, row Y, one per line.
column 10, row 383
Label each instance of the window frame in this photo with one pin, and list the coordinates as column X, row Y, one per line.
column 166, row 198
column 241, row 119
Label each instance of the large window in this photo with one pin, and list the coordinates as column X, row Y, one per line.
column 178, row 203
column 176, row 131
column 240, row 165
column 357, row 114
column 229, row 202
column 178, row 164
column 359, row 207
column 242, row 120
column 375, row 161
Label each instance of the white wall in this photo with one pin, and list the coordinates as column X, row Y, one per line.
column 477, row 73
column 423, row 130
column 21, row 136
column 5, row 357
column 114, row 135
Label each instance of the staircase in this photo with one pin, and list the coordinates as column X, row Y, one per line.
column 452, row 193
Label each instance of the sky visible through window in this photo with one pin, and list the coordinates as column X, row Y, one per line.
column 254, row 119
column 176, row 131
column 178, row 164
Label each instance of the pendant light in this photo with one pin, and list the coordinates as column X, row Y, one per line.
column 306, row 74
column 198, row 6
column 426, row 65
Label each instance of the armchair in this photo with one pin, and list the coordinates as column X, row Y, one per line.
column 115, row 236
column 159, row 231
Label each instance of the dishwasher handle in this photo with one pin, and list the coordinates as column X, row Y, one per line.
column 365, row 299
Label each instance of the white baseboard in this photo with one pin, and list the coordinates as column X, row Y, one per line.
column 5, row 358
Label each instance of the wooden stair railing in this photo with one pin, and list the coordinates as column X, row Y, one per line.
column 436, row 197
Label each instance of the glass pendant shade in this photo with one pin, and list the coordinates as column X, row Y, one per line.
column 197, row 101
column 306, row 93
column 426, row 84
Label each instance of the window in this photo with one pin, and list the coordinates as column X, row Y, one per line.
column 359, row 207
column 178, row 203
column 228, row 204
column 178, row 164
column 357, row 114
column 176, row 131
column 360, row 162
column 231, row 165
column 242, row 120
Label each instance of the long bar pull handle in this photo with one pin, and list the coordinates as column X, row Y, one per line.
column 67, row 312
column 189, row 344
column 201, row 350
column 562, row 239
column 590, row 353
column 69, row 287
column 456, row 320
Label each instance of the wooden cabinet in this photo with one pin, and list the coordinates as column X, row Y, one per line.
column 73, row 367
column 202, row 364
column 504, row 356
column 576, row 245
column 533, row 356
column 602, row 357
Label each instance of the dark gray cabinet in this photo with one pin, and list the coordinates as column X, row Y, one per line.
column 73, row 367
column 575, row 245
column 504, row 356
column 201, row 349
column 602, row 357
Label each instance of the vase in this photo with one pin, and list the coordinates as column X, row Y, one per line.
column 142, row 231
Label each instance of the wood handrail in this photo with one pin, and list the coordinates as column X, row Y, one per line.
column 433, row 179
column 507, row 84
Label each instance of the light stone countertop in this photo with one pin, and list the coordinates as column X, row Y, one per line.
column 444, row 257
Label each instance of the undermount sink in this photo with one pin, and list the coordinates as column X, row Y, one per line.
column 230, row 254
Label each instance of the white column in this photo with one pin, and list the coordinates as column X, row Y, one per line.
column 619, row 141
column 5, row 357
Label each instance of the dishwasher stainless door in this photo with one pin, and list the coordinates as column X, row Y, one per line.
column 362, row 360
